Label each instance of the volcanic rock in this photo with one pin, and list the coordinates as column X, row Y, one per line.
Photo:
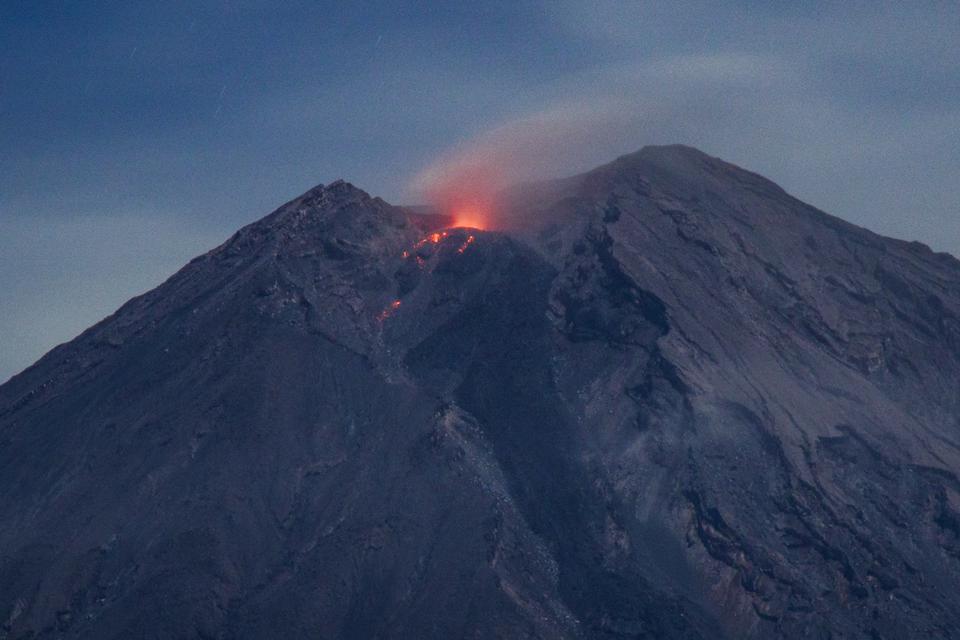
column 665, row 400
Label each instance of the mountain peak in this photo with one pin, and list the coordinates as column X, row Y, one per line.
column 671, row 150
column 666, row 174
column 686, row 171
column 338, row 216
column 337, row 193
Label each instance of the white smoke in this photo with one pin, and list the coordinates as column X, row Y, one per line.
column 592, row 119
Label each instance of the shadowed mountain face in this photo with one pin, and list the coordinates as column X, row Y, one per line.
column 667, row 401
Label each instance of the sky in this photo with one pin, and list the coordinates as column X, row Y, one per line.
column 136, row 135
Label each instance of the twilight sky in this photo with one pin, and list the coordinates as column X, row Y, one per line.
column 136, row 135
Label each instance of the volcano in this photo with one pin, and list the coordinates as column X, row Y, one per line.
column 663, row 399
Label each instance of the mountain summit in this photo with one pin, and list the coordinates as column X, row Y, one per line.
column 665, row 400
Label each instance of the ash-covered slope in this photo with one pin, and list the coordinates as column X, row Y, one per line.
column 670, row 402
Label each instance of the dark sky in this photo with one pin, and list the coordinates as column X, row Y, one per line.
column 136, row 135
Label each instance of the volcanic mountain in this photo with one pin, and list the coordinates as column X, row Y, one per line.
column 664, row 400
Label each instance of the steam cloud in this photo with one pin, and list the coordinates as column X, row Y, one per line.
column 758, row 111
column 596, row 118
column 541, row 145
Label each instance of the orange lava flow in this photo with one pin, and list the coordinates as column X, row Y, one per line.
column 433, row 238
column 386, row 313
column 466, row 243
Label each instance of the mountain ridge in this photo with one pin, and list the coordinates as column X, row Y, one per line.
column 667, row 400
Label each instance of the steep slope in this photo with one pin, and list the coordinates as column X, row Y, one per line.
column 802, row 428
column 667, row 401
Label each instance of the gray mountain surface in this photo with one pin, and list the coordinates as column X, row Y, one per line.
column 665, row 400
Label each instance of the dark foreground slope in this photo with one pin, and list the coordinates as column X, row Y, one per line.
column 674, row 403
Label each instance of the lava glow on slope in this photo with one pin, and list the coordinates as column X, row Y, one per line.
column 434, row 238
column 466, row 243
column 421, row 257
column 386, row 313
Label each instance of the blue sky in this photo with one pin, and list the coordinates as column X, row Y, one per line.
column 137, row 135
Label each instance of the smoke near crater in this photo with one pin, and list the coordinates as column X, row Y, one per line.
column 754, row 110
column 466, row 179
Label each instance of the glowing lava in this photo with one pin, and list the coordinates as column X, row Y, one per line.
column 470, row 218
column 465, row 188
column 466, row 243
column 433, row 238
column 386, row 313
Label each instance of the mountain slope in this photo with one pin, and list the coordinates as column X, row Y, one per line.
column 666, row 400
